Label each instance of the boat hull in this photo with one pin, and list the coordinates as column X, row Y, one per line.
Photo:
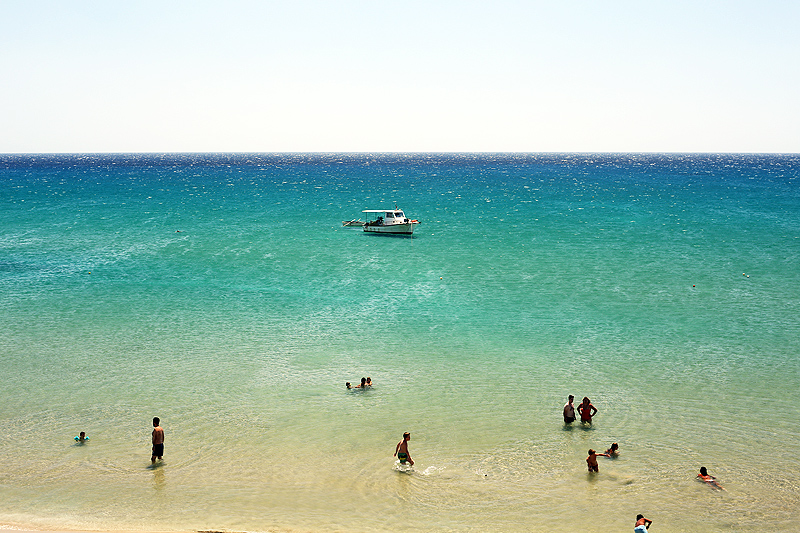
column 392, row 229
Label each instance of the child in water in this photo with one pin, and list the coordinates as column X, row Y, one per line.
column 82, row 437
column 711, row 480
column 401, row 452
column 591, row 461
column 613, row 451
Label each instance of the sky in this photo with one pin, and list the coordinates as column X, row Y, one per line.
column 391, row 76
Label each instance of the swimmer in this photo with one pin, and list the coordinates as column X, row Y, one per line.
column 642, row 524
column 401, row 452
column 569, row 410
column 369, row 382
column 82, row 437
column 711, row 480
column 587, row 411
column 363, row 384
column 614, row 450
column 591, row 461
column 348, row 385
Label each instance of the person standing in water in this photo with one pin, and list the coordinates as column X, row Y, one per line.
column 158, row 441
column 401, row 452
column 591, row 461
column 569, row 411
column 587, row 411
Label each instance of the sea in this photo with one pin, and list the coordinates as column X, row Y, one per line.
column 221, row 293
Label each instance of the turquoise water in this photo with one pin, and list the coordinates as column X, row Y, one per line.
column 221, row 293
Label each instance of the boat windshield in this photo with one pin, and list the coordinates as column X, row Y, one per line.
column 389, row 214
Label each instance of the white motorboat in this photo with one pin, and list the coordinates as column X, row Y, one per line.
column 390, row 221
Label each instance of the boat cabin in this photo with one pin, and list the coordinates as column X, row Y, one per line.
column 385, row 217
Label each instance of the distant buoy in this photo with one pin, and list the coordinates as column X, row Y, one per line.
column 441, row 278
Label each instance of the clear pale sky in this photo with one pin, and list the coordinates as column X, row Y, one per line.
column 359, row 76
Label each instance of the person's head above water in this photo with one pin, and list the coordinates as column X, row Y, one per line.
column 406, row 435
column 703, row 471
column 347, row 384
column 156, row 421
column 363, row 380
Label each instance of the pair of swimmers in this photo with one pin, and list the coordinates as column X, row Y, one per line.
column 586, row 410
column 365, row 382
column 591, row 461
